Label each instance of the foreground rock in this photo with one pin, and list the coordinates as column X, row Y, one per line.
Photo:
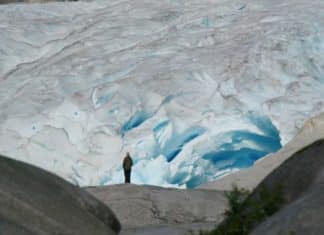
column 34, row 202
column 169, row 229
column 144, row 209
column 302, row 181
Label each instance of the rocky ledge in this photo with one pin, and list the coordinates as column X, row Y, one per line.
column 144, row 209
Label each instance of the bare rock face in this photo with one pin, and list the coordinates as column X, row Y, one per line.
column 154, row 207
column 34, row 202
column 302, row 181
column 304, row 216
column 169, row 229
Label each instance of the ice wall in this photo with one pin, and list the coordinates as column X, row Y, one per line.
column 193, row 89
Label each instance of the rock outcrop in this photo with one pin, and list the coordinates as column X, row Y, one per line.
column 301, row 178
column 35, row 202
column 144, row 209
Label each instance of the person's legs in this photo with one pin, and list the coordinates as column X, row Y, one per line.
column 127, row 176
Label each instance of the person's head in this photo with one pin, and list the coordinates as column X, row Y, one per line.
column 127, row 154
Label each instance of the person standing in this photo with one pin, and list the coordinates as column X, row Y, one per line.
column 127, row 165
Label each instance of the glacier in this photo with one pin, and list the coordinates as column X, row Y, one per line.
column 194, row 90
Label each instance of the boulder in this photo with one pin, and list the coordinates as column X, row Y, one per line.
column 33, row 201
column 301, row 178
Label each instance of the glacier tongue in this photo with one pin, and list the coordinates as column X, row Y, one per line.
column 193, row 89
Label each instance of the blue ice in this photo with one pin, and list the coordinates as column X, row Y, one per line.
column 240, row 149
column 178, row 140
column 242, row 7
column 137, row 119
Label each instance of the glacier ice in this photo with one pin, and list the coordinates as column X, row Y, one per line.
column 193, row 89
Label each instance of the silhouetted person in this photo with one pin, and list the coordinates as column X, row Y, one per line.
column 127, row 165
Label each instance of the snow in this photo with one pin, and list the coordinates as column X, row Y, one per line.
column 194, row 90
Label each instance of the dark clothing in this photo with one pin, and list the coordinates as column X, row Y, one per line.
column 127, row 163
column 127, row 166
column 127, row 175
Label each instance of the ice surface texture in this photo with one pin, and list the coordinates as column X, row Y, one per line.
column 193, row 89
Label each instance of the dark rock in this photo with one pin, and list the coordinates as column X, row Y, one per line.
column 302, row 181
column 33, row 201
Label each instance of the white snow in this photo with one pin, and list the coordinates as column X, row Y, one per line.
column 192, row 89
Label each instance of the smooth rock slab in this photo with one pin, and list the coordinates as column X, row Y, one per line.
column 304, row 216
column 35, row 202
column 183, row 229
column 302, row 181
column 138, row 206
